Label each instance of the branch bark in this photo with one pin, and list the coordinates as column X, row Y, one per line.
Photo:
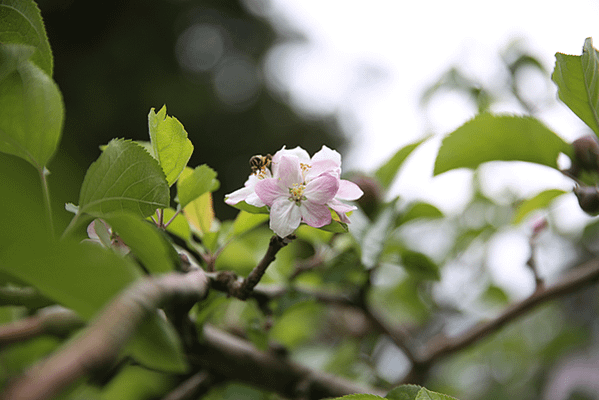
column 99, row 346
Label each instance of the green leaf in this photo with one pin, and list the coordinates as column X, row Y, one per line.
column 425, row 394
column 387, row 172
column 420, row 265
column 499, row 138
column 145, row 241
column 418, row 210
column 404, row 392
column 22, row 24
column 31, row 108
column 243, row 206
column 124, row 178
column 171, row 146
column 577, row 80
column 195, row 183
column 375, row 236
column 541, row 200
column 359, row 397
column 244, row 222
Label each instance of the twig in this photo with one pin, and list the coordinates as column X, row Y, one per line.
column 25, row 296
column 99, row 346
column 54, row 320
column 584, row 275
column 192, row 388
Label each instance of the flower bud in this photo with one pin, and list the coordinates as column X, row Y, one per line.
column 586, row 155
column 372, row 193
column 588, row 199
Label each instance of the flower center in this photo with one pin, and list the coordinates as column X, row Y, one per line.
column 297, row 193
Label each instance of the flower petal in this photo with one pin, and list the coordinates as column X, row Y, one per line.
column 289, row 171
column 348, row 191
column 298, row 152
column 316, row 215
column 270, row 189
column 285, row 217
column 341, row 209
column 321, row 166
column 322, row 189
column 327, row 154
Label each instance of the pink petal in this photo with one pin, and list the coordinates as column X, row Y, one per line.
column 285, row 217
column 270, row 189
column 315, row 215
column 322, row 189
column 289, row 171
column 327, row 154
column 298, row 152
column 322, row 166
column 348, row 191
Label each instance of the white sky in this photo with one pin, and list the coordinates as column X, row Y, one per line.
column 408, row 45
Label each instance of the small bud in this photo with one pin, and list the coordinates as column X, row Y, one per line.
column 588, row 199
column 586, row 155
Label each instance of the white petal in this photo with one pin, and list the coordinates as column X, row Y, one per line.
column 348, row 191
column 289, row 171
column 316, row 215
column 285, row 217
column 322, row 189
column 327, row 154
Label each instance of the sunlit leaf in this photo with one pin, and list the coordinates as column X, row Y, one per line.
column 404, row 392
column 124, row 178
column 541, row 200
column 425, row 394
column 134, row 382
column 31, row 108
column 170, row 144
column 178, row 226
column 22, row 24
column 387, row 172
column 577, row 79
column 499, row 138
column 200, row 213
column 196, row 182
column 245, row 222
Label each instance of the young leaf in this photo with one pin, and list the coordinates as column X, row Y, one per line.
column 124, row 178
column 22, row 24
column 425, row 394
column 196, row 182
column 499, row 138
column 245, row 222
column 541, row 200
column 200, row 214
column 418, row 210
column 31, row 108
column 387, row 172
column 577, row 80
column 145, row 241
column 171, row 146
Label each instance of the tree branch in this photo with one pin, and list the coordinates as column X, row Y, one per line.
column 580, row 277
column 99, row 346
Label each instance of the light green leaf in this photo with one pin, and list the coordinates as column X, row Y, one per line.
column 21, row 23
column 124, row 178
column 577, row 80
column 31, row 108
column 171, row 146
column 196, row 182
column 245, row 222
column 359, row 397
column 404, row 392
column 499, row 138
column 387, row 172
column 375, row 236
column 541, row 200
column 200, row 214
column 243, row 206
column 145, row 241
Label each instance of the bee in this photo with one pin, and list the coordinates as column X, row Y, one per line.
column 259, row 163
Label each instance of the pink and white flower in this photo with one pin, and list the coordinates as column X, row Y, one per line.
column 300, row 189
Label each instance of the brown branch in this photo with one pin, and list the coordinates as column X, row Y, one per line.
column 102, row 341
column 56, row 321
column 580, row 277
column 236, row 359
column 193, row 388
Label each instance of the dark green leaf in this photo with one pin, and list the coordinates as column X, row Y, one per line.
column 499, row 138
column 404, row 392
column 124, row 178
column 31, row 108
column 541, row 200
column 418, row 210
column 387, row 172
column 21, row 23
column 577, row 80
column 425, row 394
column 420, row 265
column 243, row 206
column 359, row 397
column 170, row 144
column 195, row 183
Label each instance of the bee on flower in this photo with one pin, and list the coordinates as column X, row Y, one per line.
column 298, row 188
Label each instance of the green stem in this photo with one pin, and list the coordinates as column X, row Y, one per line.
column 43, row 173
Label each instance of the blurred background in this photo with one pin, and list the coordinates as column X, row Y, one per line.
column 246, row 77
